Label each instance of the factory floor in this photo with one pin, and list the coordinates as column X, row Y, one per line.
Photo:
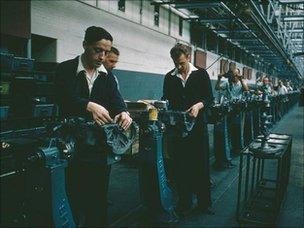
column 125, row 208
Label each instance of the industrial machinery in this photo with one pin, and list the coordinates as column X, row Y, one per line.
column 33, row 179
column 260, row 200
column 33, row 163
column 157, row 195
column 110, row 137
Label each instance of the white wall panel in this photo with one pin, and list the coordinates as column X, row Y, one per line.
column 213, row 70
column 174, row 25
column 164, row 20
column 142, row 49
column 148, row 14
column 186, row 31
column 105, row 5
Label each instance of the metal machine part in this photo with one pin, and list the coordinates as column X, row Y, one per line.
column 33, row 180
column 261, row 192
column 265, row 148
column 110, row 137
column 119, row 140
column 218, row 111
column 176, row 122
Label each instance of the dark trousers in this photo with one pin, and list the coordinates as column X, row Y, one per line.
column 190, row 157
column 87, row 181
column 221, row 143
column 248, row 128
column 236, row 132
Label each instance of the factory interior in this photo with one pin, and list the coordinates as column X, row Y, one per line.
column 152, row 113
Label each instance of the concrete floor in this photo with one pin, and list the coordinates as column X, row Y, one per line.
column 126, row 209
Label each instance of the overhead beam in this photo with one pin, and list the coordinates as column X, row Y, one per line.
column 162, row 3
column 197, row 5
column 219, row 20
column 233, row 31
column 244, row 39
column 263, row 25
column 288, row 2
column 189, row 4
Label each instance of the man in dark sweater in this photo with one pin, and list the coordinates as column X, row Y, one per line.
column 85, row 89
column 189, row 89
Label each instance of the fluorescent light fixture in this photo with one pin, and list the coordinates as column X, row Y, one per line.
column 295, row 18
column 296, row 40
column 291, row 1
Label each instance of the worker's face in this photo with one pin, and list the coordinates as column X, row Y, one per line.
column 110, row 61
column 232, row 67
column 236, row 74
column 182, row 63
column 265, row 81
column 95, row 53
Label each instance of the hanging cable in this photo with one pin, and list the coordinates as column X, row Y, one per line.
column 214, row 61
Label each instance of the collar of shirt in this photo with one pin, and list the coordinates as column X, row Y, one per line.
column 191, row 69
column 80, row 67
column 238, row 84
column 90, row 80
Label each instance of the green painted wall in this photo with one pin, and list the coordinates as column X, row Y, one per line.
column 140, row 85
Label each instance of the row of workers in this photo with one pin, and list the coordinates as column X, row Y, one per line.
column 86, row 87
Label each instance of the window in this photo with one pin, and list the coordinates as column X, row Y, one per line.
column 200, row 59
column 122, row 5
column 156, row 15
column 180, row 26
column 211, row 42
column 224, row 66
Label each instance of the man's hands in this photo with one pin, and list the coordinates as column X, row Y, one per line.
column 100, row 114
column 193, row 111
column 123, row 119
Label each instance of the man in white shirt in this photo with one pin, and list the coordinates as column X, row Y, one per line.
column 233, row 90
column 288, row 87
column 234, row 87
column 189, row 89
column 84, row 88
column 282, row 90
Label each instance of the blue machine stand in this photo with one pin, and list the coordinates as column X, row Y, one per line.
column 156, row 194
column 36, row 164
column 48, row 202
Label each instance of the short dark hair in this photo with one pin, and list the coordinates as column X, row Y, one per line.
column 178, row 50
column 94, row 34
column 114, row 50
